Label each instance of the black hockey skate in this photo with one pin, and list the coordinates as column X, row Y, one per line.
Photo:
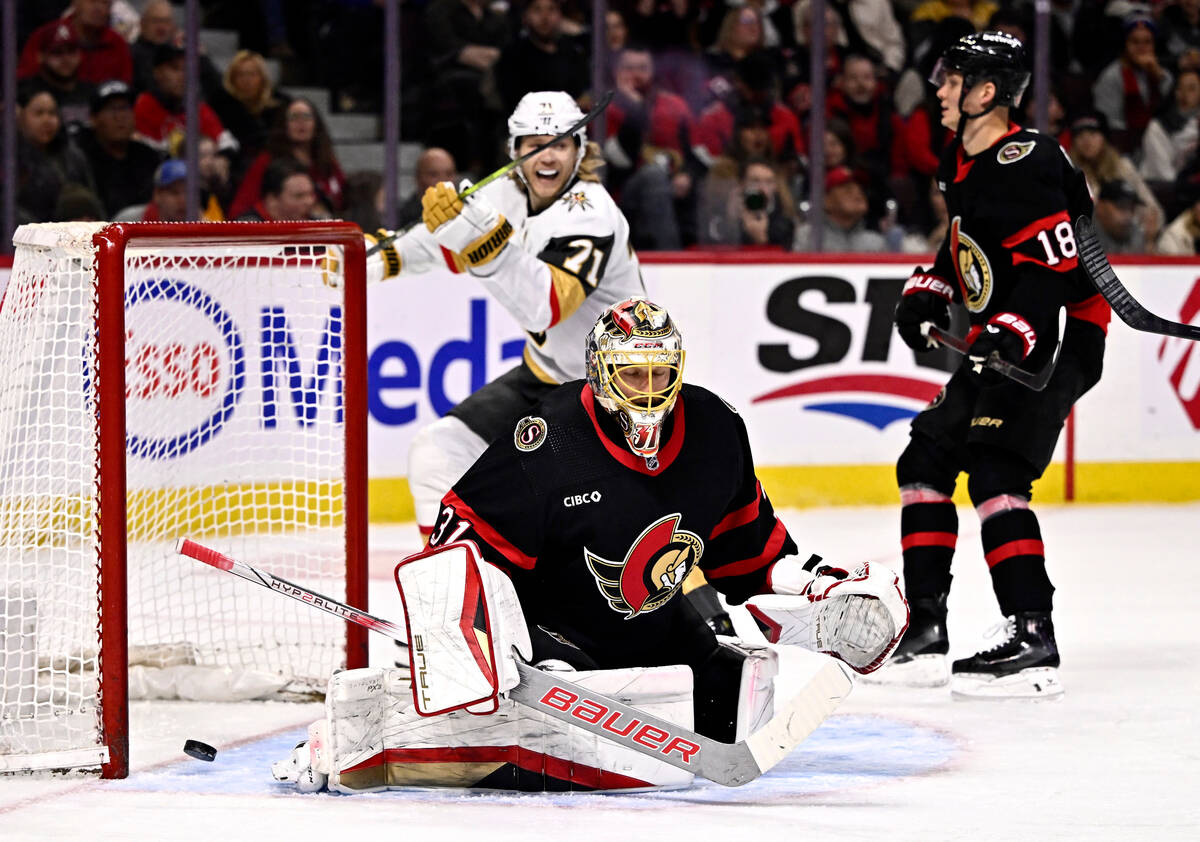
column 1022, row 666
column 920, row 657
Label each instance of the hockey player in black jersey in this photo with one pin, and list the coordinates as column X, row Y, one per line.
column 567, row 544
column 1010, row 259
column 606, row 497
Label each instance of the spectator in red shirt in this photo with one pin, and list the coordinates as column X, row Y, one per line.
column 159, row 112
column 662, row 118
column 58, row 72
column 105, row 53
column 653, row 170
column 300, row 135
column 753, row 88
column 860, row 99
column 287, row 193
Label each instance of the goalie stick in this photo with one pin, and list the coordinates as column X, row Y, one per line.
column 1100, row 272
column 1034, row 380
column 511, row 165
column 729, row 764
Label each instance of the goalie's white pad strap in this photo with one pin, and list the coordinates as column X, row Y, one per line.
column 464, row 620
column 376, row 740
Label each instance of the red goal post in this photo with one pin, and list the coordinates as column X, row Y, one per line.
column 167, row 380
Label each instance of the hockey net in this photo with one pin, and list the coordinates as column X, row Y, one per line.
column 160, row 381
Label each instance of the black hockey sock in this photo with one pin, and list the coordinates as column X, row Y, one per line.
column 928, row 534
column 1012, row 545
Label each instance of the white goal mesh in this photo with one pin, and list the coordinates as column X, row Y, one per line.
column 237, row 411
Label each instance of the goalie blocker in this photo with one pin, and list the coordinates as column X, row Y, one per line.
column 445, row 722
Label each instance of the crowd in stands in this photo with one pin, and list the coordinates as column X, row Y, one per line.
column 706, row 140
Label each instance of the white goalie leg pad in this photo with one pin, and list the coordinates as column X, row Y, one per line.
column 464, row 623
column 374, row 738
column 857, row 616
column 439, row 455
column 756, row 693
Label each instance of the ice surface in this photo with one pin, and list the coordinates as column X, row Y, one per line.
column 1114, row 759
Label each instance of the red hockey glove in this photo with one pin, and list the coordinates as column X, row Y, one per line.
column 1007, row 335
column 926, row 298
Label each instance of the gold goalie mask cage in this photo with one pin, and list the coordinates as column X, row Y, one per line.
column 635, row 370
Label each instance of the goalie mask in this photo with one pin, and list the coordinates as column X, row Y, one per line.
column 635, row 370
column 546, row 113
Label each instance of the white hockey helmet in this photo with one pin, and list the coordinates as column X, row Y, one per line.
column 546, row 113
column 627, row 351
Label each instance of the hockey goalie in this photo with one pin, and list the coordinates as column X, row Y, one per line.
column 567, row 545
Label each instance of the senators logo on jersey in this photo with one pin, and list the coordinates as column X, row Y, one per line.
column 651, row 572
column 971, row 267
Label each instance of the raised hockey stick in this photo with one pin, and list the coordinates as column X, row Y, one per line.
column 1100, row 272
column 596, row 111
column 1033, row 380
column 729, row 764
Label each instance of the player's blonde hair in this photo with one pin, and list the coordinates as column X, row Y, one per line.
column 593, row 159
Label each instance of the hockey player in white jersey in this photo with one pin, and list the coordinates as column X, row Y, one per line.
column 551, row 246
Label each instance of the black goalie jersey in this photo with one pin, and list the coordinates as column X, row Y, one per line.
column 1010, row 247
column 598, row 546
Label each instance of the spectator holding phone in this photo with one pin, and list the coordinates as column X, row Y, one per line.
column 758, row 212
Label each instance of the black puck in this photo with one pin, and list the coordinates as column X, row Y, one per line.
column 199, row 750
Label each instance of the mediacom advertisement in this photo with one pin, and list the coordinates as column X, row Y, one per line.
column 806, row 351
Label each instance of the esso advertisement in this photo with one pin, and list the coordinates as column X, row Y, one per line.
column 207, row 366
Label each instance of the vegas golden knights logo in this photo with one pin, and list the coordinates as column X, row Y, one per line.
column 651, row 572
column 971, row 266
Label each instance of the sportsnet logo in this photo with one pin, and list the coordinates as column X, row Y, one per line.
column 848, row 340
column 1181, row 359
column 885, row 391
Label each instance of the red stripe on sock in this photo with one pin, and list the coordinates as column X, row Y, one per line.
column 1025, row 546
column 929, row 539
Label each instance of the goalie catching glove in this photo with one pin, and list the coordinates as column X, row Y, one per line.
column 857, row 616
column 472, row 229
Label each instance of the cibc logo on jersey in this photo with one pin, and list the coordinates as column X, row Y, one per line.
column 651, row 572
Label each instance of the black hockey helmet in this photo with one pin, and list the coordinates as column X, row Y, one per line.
column 994, row 57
